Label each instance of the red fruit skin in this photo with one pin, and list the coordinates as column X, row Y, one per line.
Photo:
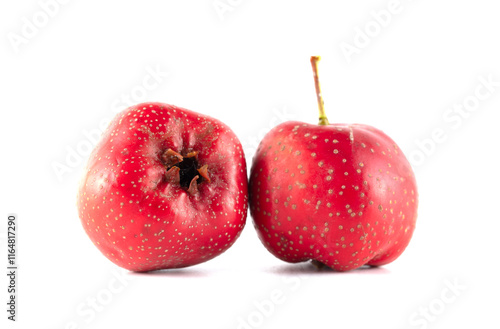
column 141, row 221
column 342, row 195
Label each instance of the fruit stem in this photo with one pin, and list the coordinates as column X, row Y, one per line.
column 323, row 120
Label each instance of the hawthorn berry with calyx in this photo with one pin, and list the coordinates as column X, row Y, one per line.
column 164, row 188
column 341, row 195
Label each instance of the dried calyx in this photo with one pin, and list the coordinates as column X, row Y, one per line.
column 184, row 170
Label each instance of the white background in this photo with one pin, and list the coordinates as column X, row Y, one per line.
column 249, row 67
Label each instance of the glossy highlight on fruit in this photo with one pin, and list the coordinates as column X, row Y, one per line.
column 164, row 188
column 342, row 195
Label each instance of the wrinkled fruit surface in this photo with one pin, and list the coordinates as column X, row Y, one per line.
column 164, row 188
column 341, row 195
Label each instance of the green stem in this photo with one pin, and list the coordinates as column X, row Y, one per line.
column 323, row 120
